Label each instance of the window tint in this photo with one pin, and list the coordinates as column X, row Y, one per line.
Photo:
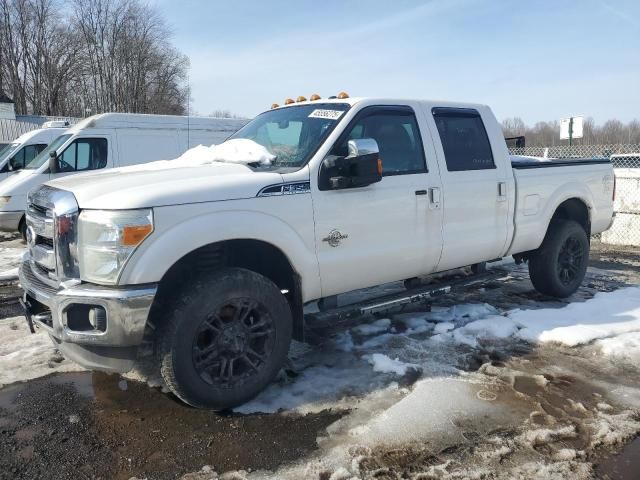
column 398, row 138
column 84, row 154
column 464, row 139
column 32, row 151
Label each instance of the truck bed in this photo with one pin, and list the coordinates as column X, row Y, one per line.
column 542, row 184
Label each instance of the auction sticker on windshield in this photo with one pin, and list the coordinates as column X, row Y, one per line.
column 328, row 114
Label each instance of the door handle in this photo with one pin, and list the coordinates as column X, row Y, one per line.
column 502, row 191
column 421, row 192
column 434, row 197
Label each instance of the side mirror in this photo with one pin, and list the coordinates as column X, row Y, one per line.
column 14, row 164
column 53, row 161
column 361, row 167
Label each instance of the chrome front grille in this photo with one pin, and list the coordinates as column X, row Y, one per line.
column 49, row 253
column 40, row 225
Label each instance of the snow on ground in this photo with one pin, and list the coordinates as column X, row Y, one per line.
column 24, row 356
column 400, row 380
column 371, row 369
column 10, row 259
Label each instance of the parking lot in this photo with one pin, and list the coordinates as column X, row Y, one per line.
column 468, row 390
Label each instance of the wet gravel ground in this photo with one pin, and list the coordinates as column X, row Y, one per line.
column 98, row 426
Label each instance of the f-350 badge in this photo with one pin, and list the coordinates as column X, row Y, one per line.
column 335, row 237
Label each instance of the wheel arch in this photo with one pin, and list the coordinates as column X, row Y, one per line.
column 575, row 209
column 256, row 255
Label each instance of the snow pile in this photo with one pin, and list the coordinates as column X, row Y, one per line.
column 605, row 315
column 613, row 319
column 10, row 259
column 11, row 274
column 378, row 326
column 24, row 356
column 240, row 151
column 625, row 347
column 384, row 364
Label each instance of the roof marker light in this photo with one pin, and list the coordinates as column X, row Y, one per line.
column 289, row 101
column 274, row 105
column 301, row 98
column 343, row 95
column 315, row 97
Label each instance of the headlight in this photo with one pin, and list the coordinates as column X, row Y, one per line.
column 106, row 240
column 4, row 201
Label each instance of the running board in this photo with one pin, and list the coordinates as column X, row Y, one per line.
column 398, row 300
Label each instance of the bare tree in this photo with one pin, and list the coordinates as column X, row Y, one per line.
column 107, row 55
column 547, row 134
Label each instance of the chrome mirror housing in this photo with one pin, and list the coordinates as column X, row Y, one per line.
column 362, row 146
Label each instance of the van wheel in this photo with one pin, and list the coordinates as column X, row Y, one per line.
column 225, row 339
column 560, row 264
column 22, row 228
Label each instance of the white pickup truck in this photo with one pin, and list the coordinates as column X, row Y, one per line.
column 212, row 264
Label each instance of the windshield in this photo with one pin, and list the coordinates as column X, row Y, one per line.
column 7, row 150
column 43, row 157
column 293, row 134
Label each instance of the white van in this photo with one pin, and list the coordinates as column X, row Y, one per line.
column 103, row 141
column 27, row 146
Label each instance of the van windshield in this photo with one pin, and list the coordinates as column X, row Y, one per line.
column 293, row 134
column 43, row 157
column 7, row 150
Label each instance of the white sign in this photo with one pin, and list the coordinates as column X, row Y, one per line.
column 576, row 128
column 328, row 114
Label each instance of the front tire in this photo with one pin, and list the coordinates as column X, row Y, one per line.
column 22, row 228
column 225, row 339
column 560, row 264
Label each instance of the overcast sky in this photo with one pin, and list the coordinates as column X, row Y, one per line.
column 539, row 60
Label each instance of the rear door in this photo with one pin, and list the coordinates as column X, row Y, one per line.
column 475, row 197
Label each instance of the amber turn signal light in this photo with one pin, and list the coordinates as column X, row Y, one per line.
column 379, row 166
column 134, row 234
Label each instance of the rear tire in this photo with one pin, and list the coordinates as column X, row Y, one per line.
column 559, row 266
column 224, row 339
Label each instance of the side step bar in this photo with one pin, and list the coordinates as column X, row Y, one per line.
column 398, row 301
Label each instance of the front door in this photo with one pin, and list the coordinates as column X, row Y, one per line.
column 84, row 154
column 386, row 231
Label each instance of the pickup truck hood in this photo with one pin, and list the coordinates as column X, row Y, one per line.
column 135, row 187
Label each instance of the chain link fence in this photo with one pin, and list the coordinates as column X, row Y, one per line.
column 626, row 163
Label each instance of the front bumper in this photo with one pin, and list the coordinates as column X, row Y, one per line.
column 114, row 347
column 9, row 221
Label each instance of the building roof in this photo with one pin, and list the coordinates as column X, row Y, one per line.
column 12, row 129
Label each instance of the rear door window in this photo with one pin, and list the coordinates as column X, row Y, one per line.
column 464, row 139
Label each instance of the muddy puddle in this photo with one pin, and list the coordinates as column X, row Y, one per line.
column 622, row 466
column 93, row 425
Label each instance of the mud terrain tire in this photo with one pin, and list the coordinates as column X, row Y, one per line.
column 559, row 266
column 224, row 339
